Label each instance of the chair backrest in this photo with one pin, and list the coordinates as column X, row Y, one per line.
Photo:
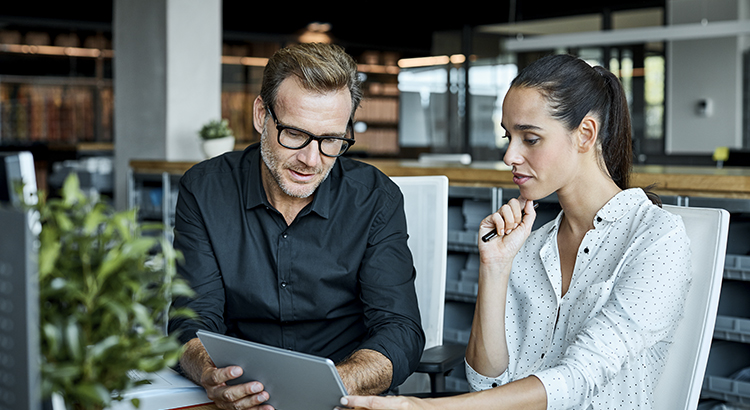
column 426, row 207
column 680, row 385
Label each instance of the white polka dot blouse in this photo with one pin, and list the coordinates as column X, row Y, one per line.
column 608, row 348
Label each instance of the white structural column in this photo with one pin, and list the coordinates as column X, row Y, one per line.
column 167, row 80
column 704, row 96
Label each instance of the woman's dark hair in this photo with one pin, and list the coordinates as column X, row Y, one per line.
column 575, row 89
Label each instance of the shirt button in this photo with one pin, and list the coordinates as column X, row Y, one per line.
column 585, row 250
column 284, row 235
column 494, row 384
column 283, row 285
column 598, row 219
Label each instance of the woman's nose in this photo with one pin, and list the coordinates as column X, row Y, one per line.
column 512, row 155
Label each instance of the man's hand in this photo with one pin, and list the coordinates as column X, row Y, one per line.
column 199, row 368
column 242, row 396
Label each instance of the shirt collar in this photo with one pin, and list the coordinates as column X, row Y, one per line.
column 614, row 209
column 620, row 205
column 256, row 194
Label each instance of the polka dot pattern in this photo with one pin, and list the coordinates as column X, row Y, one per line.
column 608, row 348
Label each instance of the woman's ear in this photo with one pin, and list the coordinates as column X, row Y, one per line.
column 259, row 115
column 588, row 132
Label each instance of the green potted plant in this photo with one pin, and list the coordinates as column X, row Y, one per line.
column 217, row 138
column 105, row 285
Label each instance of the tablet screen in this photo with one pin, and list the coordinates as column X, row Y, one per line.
column 293, row 380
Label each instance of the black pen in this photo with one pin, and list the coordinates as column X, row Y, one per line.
column 493, row 233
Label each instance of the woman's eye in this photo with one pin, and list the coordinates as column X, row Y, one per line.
column 531, row 141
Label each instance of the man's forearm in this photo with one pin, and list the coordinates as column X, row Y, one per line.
column 366, row 372
column 194, row 360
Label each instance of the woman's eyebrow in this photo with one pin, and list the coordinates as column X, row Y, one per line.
column 522, row 127
column 527, row 127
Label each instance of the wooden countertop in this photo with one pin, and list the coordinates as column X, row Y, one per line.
column 730, row 182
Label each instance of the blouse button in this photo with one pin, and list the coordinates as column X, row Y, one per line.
column 586, row 250
column 598, row 219
column 284, row 235
column 283, row 285
column 494, row 384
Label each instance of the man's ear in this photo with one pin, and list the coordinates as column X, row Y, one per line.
column 259, row 115
column 588, row 132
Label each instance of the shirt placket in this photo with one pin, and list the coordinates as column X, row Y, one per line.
column 285, row 289
column 551, row 264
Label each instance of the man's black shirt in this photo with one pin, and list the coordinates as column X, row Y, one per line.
column 339, row 278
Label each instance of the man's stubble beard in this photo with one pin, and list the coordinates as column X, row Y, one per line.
column 271, row 162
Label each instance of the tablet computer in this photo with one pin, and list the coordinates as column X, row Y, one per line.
column 293, row 380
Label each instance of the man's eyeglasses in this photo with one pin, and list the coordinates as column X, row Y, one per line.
column 295, row 138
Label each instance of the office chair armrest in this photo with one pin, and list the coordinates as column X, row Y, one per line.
column 440, row 359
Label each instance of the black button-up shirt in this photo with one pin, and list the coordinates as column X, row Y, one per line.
column 339, row 278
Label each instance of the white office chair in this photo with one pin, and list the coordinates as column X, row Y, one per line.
column 426, row 207
column 680, row 385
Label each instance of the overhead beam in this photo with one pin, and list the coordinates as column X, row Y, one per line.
column 628, row 36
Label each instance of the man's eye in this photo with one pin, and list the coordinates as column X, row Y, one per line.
column 296, row 134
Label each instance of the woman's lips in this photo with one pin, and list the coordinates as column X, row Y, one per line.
column 520, row 179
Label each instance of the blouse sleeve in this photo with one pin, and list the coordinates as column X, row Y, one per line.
column 478, row 381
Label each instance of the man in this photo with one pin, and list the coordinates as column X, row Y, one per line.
column 291, row 245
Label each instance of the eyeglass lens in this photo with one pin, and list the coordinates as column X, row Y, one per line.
column 295, row 139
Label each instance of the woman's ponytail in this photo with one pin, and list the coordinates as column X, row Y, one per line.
column 616, row 134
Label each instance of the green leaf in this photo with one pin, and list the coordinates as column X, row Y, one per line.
column 93, row 393
column 71, row 190
column 100, row 348
column 48, row 256
column 103, row 286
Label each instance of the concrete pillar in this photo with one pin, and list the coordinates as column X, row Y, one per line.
column 167, row 80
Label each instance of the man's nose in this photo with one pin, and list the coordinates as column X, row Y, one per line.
column 310, row 155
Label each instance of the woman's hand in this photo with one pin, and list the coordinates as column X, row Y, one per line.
column 512, row 222
column 383, row 402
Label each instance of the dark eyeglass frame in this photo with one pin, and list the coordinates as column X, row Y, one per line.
column 310, row 136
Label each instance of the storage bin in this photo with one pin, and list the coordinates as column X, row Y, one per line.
column 726, row 359
column 737, row 267
column 457, row 322
column 474, row 211
column 736, row 329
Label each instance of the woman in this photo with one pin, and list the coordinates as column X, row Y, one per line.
column 578, row 314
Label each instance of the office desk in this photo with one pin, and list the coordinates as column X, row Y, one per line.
column 730, row 182
column 710, row 182
column 200, row 407
column 167, row 390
